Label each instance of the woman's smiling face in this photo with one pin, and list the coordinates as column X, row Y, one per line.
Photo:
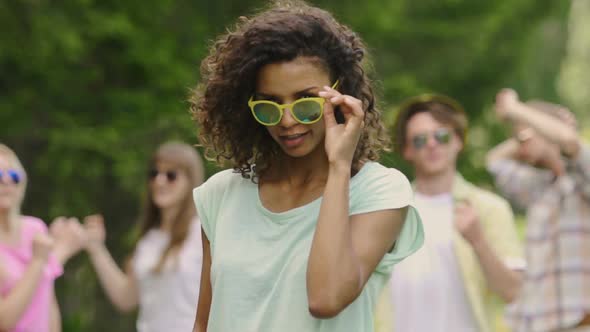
column 285, row 82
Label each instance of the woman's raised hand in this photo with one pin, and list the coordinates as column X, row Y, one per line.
column 69, row 237
column 95, row 231
column 342, row 139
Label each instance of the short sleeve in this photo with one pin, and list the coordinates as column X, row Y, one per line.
column 54, row 267
column 34, row 225
column 410, row 239
column 204, row 210
column 380, row 188
column 387, row 188
column 201, row 204
column 208, row 198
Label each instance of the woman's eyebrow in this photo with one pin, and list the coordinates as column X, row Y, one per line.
column 306, row 91
column 269, row 96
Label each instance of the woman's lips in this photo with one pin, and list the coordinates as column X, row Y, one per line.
column 293, row 140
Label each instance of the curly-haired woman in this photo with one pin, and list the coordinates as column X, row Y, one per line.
column 307, row 226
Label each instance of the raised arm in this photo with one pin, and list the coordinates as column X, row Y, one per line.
column 503, row 151
column 120, row 287
column 204, row 305
column 14, row 304
column 501, row 278
column 345, row 250
column 509, row 107
column 68, row 236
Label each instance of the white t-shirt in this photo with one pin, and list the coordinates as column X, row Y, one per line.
column 168, row 300
column 259, row 258
column 427, row 288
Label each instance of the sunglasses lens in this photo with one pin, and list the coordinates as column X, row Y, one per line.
column 419, row 141
column 267, row 114
column 14, row 175
column 153, row 173
column 307, row 111
column 442, row 136
column 171, row 176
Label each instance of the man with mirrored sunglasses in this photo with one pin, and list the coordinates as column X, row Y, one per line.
column 471, row 255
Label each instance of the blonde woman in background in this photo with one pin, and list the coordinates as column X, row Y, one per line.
column 30, row 258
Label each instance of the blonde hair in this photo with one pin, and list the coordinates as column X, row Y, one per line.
column 13, row 160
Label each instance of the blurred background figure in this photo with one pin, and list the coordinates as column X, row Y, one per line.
column 471, row 251
column 30, row 259
column 545, row 168
column 162, row 276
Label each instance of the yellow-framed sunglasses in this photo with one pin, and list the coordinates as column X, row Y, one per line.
column 307, row 110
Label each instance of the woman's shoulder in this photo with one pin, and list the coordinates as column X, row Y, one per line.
column 374, row 171
column 376, row 187
column 210, row 195
column 224, row 178
column 33, row 224
column 220, row 182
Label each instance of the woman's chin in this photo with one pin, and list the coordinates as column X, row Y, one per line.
column 6, row 205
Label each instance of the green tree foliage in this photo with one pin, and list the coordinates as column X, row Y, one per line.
column 88, row 89
column 573, row 79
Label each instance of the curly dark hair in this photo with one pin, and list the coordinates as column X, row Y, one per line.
column 283, row 32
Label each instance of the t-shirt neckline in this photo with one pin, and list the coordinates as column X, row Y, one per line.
column 284, row 216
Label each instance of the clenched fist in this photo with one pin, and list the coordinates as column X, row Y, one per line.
column 95, row 231
column 69, row 237
column 505, row 101
column 42, row 246
column 467, row 222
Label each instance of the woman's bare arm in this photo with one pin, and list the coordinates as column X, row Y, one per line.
column 204, row 306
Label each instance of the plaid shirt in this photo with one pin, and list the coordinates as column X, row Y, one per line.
column 556, row 290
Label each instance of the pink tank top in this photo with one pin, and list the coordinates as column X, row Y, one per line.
column 14, row 261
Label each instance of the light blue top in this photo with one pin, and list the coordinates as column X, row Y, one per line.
column 259, row 258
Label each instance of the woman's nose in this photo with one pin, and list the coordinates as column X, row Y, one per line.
column 288, row 120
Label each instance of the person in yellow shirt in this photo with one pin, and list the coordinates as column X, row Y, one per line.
column 471, row 255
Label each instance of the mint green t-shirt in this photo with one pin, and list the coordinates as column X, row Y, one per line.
column 259, row 258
